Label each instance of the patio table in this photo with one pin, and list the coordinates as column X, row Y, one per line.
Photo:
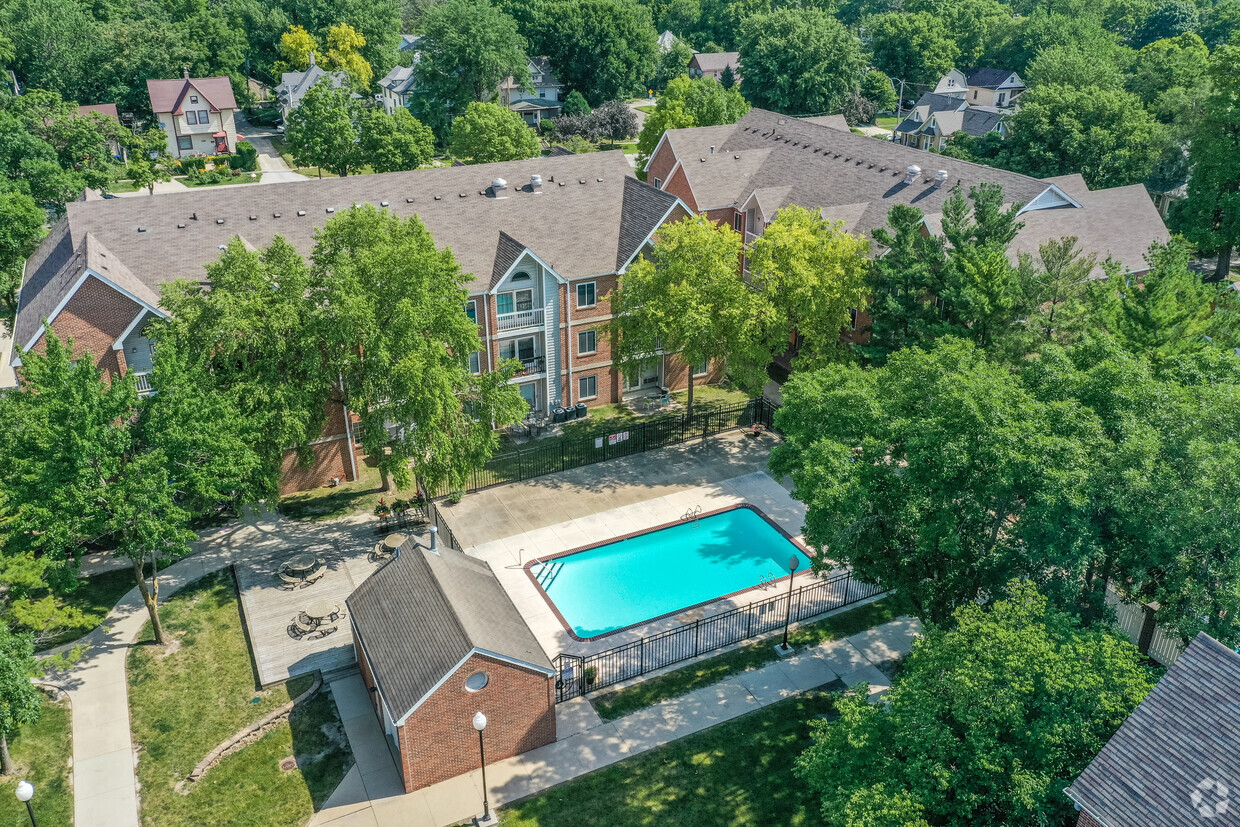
column 321, row 610
column 394, row 541
column 301, row 564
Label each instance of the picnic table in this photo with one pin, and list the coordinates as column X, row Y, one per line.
column 301, row 564
column 394, row 541
column 321, row 610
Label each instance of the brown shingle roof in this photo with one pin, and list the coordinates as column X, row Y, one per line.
column 168, row 95
column 1184, row 738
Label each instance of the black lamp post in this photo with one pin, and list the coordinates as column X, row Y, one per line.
column 25, row 792
column 480, row 723
column 793, row 562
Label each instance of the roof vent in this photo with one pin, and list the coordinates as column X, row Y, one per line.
column 223, row 247
column 561, row 183
column 703, row 160
column 940, row 178
column 582, row 180
column 301, row 212
column 180, row 226
column 331, row 209
column 599, row 180
column 254, row 218
column 535, row 182
column 737, row 157
column 383, row 203
column 219, row 221
column 463, row 195
column 910, row 174
column 410, row 200
column 498, row 184
column 275, row 215
column 142, row 229
column 437, row 198
column 712, row 149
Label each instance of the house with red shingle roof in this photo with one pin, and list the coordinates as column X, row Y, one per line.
column 197, row 114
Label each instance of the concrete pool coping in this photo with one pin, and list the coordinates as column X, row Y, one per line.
column 508, row 556
column 555, row 609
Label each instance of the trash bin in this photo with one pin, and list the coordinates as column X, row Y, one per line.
column 558, row 414
column 581, row 410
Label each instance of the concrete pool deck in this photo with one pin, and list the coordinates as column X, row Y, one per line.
column 506, row 555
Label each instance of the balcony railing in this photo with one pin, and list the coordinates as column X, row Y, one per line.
column 143, row 381
column 531, row 366
column 522, row 318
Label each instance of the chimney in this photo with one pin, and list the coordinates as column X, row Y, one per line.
column 185, row 72
column 312, row 58
column 499, row 187
column 535, row 184
column 910, row 174
column 940, row 178
column 434, row 530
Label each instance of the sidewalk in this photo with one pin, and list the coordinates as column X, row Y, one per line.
column 585, row 742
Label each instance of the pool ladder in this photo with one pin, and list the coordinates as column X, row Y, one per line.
column 692, row 514
column 767, row 579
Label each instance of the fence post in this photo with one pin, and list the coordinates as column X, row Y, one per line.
column 641, row 655
column 847, row 583
column 697, row 634
column 562, row 455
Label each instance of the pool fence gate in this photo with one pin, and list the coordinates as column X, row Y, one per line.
column 579, row 674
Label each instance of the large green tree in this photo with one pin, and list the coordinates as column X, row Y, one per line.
column 21, row 229
column 467, row 48
column 989, row 720
column 605, row 49
column 941, row 476
column 20, row 701
column 323, row 131
column 916, row 48
column 690, row 102
column 488, row 132
column 688, row 298
column 1210, row 216
column 92, row 462
column 390, row 317
column 395, row 142
column 799, row 61
column 814, row 274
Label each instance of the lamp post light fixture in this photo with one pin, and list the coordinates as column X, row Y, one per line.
column 793, row 562
column 487, row 817
column 25, row 792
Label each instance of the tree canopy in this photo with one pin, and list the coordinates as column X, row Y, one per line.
column 323, row 130
column 987, row 723
column 20, row 701
column 799, row 61
column 916, row 48
column 395, row 142
column 489, row 132
column 690, row 102
column 605, row 49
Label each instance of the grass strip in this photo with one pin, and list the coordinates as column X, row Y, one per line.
column 752, row 655
column 41, row 753
column 738, row 773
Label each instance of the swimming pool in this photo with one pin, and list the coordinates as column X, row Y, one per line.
column 602, row 589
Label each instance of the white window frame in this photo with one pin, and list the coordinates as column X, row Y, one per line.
column 584, row 383
column 705, row 369
column 513, row 295
column 515, row 345
column 593, row 293
column 191, row 117
column 472, row 306
column 593, row 334
column 475, row 363
column 658, row 183
column 193, row 99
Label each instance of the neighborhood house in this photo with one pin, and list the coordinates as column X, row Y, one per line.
column 294, row 85
column 197, row 114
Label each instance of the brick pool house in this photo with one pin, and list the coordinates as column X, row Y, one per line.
column 437, row 640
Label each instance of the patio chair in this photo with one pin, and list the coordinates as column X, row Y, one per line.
column 288, row 582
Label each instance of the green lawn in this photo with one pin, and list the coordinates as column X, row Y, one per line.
column 243, row 178
column 886, row 123
column 650, row 108
column 738, row 773
column 723, row 394
column 750, row 656
column 85, row 607
column 41, row 753
column 186, row 700
column 123, row 186
column 326, row 503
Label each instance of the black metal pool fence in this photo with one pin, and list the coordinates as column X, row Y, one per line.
column 576, row 675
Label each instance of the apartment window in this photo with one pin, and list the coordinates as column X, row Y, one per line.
column 587, row 342
column 974, row 94
column 852, row 319
column 542, row 93
column 521, row 276
column 191, row 118
column 471, row 310
column 751, row 220
column 522, row 349
column 658, row 183
column 738, row 222
column 587, row 387
column 475, row 363
column 701, row 368
column 516, row 301
column 1002, row 96
column 185, row 142
column 193, row 99
column 586, row 295
column 203, row 117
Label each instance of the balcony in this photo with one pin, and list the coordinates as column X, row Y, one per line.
column 529, row 367
column 143, row 381
column 522, row 318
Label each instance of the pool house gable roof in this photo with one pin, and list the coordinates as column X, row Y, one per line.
column 424, row 614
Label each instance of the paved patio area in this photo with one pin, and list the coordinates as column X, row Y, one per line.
column 585, row 743
column 508, row 510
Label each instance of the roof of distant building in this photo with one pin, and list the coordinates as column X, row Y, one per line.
column 400, row 80
column 423, row 613
column 1177, row 752
column 713, row 62
column 296, row 83
column 170, row 95
column 991, row 78
column 101, row 108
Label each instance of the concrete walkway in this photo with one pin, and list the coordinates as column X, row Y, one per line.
column 585, row 742
column 104, row 782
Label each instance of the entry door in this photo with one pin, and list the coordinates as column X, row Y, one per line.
column 529, row 392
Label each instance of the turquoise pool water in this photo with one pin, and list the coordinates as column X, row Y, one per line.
column 610, row 587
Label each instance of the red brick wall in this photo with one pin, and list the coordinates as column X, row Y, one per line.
column 1086, row 820
column 331, row 459
column 438, row 741
column 678, row 185
column 661, row 164
column 94, row 318
column 368, row 677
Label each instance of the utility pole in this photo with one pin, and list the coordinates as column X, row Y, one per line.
column 899, row 98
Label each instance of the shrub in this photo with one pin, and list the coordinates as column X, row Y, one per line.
column 247, row 156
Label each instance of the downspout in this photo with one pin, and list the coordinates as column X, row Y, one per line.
column 568, row 340
column 486, row 327
column 348, row 430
